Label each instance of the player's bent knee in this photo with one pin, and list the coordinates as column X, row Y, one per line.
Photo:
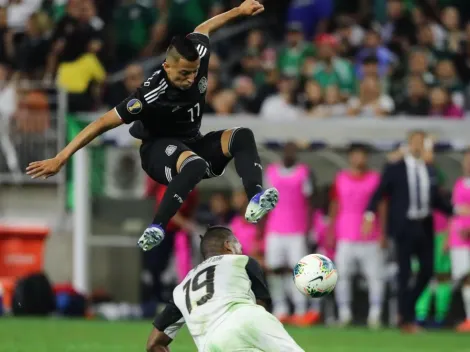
column 183, row 157
column 238, row 139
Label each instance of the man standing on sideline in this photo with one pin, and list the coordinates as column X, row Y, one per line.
column 287, row 231
column 350, row 195
column 411, row 187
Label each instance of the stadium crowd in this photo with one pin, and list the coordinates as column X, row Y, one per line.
column 359, row 58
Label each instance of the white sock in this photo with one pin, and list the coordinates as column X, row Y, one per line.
column 278, row 295
column 466, row 300
column 298, row 299
column 376, row 292
column 343, row 298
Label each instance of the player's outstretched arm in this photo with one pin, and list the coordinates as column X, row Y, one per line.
column 247, row 8
column 158, row 341
column 50, row 167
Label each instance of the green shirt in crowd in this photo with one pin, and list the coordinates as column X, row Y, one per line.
column 291, row 60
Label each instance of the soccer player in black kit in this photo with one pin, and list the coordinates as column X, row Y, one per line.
column 166, row 113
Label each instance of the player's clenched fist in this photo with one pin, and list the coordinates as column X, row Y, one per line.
column 251, row 8
column 44, row 168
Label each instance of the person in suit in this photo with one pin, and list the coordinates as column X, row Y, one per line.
column 412, row 191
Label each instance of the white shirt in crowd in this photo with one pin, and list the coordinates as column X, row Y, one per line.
column 19, row 13
column 275, row 108
column 418, row 176
column 384, row 102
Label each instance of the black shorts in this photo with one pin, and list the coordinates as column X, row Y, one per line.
column 159, row 156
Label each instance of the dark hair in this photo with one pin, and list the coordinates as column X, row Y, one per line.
column 358, row 147
column 212, row 242
column 370, row 60
column 413, row 133
column 182, row 47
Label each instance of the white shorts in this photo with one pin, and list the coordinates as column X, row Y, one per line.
column 368, row 257
column 249, row 329
column 460, row 258
column 284, row 250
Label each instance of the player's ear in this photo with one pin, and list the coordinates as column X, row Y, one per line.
column 229, row 247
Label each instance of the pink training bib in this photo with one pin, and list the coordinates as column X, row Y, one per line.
column 291, row 212
column 353, row 196
column 320, row 229
column 460, row 196
column 441, row 223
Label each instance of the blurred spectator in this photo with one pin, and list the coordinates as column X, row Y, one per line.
column 185, row 15
column 446, row 77
column 8, row 106
column 224, row 102
column 217, row 211
column 438, row 32
column 463, row 57
column 331, row 69
column 350, row 36
column 133, row 30
column 33, row 114
column 370, row 102
column 427, row 44
column 6, row 37
column 442, row 105
column 256, row 41
column 78, row 32
column 31, row 52
column 312, row 15
column 415, row 102
column 251, row 66
column 281, row 106
column 451, row 20
column 313, row 98
column 418, row 64
column 331, row 105
column 399, row 31
column 374, row 48
column 248, row 100
column 292, row 56
column 134, row 76
column 19, row 11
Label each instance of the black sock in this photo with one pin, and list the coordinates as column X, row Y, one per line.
column 242, row 146
column 192, row 171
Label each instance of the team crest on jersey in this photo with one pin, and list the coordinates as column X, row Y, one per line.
column 170, row 149
column 134, row 106
column 202, row 85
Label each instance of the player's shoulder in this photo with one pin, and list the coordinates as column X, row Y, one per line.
column 154, row 86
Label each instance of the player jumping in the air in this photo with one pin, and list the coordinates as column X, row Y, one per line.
column 166, row 111
column 221, row 301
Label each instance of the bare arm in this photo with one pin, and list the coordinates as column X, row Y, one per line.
column 50, row 167
column 247, row 8
column 158, row 341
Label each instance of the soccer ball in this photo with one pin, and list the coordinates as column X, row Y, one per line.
column 315, row 275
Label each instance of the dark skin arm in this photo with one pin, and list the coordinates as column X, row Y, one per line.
column 158, row 341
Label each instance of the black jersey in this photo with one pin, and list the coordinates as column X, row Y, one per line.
column 158, row 109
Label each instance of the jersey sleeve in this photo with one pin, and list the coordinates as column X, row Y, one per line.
column 170, row 321
column 202, row 44
column 258, row 280
column 135, row 106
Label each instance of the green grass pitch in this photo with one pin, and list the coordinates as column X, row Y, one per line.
column 57, row 335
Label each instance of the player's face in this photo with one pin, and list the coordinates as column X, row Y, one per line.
column 416, row 144
column 182, row 73
column 290, row 154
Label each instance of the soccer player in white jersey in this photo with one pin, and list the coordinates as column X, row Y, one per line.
column 222, row 301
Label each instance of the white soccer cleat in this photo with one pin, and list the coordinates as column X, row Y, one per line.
column 151, row 238
column 261, row 204
column 374, row 319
